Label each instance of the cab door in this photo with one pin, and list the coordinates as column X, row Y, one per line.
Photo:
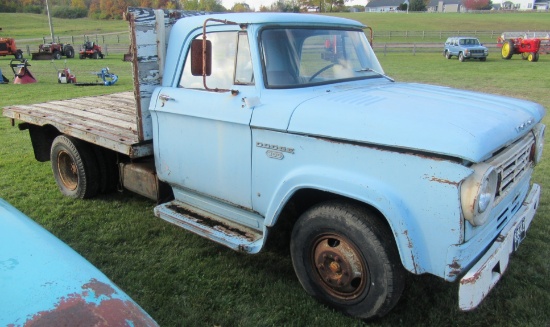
column 202, row 136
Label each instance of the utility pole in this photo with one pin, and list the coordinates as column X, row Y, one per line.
column 50, row 21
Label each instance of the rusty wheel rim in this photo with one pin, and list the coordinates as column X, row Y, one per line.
column 68, row 172
column 340, row 266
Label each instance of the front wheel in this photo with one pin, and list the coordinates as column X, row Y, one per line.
column 18, row 55
column 345, row 257
column 56, row 55
column 75, row 168
column 461, row 57
column 533, row 57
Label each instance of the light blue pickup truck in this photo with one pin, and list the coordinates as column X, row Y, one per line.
column 242, row 126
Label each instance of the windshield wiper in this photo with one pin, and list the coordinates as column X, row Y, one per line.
column 377, row 73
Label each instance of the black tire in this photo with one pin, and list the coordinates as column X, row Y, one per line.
column 533, row 57
column 69, row 52
column 524, row 55
column 507, row 50
column 56, row 55
column 448, row 54
column 75, row 167
column 95, row 55
column 101, row 55
column 108, row 171
column 461, row 57
column 18, row 55
column 345, row 257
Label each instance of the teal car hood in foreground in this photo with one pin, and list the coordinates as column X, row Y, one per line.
column 44, row 282
column 440, row 120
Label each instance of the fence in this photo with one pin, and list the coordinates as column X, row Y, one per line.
column 384, row 41
column 111, row 43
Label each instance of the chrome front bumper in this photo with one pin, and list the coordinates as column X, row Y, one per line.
column 484, row 275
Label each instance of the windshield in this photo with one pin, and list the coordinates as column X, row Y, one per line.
column 296, row 57
column 469, row 42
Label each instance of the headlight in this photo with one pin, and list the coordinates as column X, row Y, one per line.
column 538, row 130
column 478, row 194
column 466, row 51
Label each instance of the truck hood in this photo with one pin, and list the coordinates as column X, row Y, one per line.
column 440, row 120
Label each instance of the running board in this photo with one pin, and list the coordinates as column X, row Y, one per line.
column 215, row 228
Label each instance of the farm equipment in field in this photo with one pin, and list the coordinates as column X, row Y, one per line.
column 48, row 51
column 8, row 48
column 21, row 72
column 106, row 76
column 91, row 50
column 64, row 75
column 529, row 45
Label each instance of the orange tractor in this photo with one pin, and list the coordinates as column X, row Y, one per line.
column 527, row 44
column 8, row 48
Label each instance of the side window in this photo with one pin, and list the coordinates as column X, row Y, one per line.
column 244, row 74
column 231, row 62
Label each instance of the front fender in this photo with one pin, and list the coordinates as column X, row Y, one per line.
column 417, row 195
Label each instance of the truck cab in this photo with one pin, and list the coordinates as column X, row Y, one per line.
column 261, row 113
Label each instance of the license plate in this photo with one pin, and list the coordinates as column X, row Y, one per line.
column 519, row 233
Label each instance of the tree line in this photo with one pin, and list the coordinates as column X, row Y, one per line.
column 114, row 9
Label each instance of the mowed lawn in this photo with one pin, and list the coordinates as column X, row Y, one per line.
column 184, row 280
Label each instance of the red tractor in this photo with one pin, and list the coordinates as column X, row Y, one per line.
column 8, row 48
column 90, row 50
column 519, row 43
column 48, row 51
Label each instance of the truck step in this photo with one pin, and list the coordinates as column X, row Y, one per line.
column 210, row 226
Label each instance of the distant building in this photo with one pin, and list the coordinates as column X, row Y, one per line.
column 383, row 5
column 522, row 4
column 456, row 5
column 445, row 6
column 433, row 6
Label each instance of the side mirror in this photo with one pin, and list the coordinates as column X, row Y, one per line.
column 201, row 58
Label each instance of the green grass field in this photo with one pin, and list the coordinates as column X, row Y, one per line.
column 184, row 280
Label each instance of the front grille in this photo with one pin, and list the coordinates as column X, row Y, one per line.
column 477, row 51
column 512, row 164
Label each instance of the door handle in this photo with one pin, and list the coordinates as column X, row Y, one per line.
column 164, row 98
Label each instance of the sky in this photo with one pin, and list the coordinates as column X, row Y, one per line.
column 257, row 3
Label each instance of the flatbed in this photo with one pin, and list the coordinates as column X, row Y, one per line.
column 110, row 122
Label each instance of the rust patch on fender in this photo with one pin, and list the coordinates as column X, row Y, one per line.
column 444, row 181
column 456, row 269
column 94, row 306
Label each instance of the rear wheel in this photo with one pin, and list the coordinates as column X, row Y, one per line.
column 345, row 257
column 448, row 54
column 507, row 49
column 74, row 167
